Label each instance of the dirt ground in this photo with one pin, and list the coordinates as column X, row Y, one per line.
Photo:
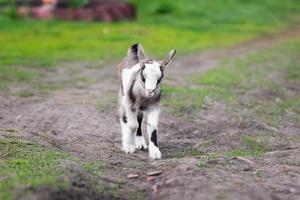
column 81, row 119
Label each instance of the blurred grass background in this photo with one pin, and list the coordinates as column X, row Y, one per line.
column 194, row 25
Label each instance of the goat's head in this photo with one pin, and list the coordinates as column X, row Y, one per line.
column 151, row 71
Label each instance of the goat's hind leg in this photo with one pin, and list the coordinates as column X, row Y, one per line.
column 139, row 139
column 129, row 126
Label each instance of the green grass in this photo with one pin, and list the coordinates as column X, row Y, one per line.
column 295, row 163
column 224, row 15
column 253, row 148
column 28, row 164
column 272, row 71
column 253, row 144
column 202, row 164
column 293, row 71
column 188, row 152
column 221, row 77
column 282, row 62
column 13, row 74
column 274, row 112
column 161, row 25
column 216, row 83
column 180, row 100
column 93, row 167
column 187, row 101
column 250, row 147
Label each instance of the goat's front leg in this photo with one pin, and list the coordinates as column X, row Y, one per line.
column 129, row 126
column 152, row 130
column 139, row 139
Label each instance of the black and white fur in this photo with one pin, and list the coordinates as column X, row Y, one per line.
column 139, row 95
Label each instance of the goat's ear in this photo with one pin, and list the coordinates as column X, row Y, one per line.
column 136, row 53
column 141, row 52
column 167, row 60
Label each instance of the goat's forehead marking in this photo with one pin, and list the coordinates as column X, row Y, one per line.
column 152, row 68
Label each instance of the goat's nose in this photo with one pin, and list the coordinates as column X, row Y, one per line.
column 150, row 92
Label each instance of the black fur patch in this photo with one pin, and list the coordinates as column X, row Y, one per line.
column 124, row 118
column 157, row 99
column 139, row 119
column 147, row 102
column 142, row 76
column 134, row 50
column 154, row 137
column 131, row 95
column 161, row 77
column 122, row 90
column 142, row 107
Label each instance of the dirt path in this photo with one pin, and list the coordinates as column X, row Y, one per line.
column 81, row 119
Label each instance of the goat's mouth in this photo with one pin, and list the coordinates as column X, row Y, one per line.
column 149, row 94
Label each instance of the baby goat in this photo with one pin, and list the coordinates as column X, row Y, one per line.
column 140, row 91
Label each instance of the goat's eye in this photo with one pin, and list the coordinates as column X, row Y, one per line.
column 159, row 80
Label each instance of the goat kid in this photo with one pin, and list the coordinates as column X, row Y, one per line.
column 139, row 94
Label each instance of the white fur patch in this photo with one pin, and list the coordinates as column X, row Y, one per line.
column 151, row 73
column 127, row 75
column 153, row 117
column 128, row 148
column 154, row 152
column 128, row 142
column 129, row 131
column 140, row 142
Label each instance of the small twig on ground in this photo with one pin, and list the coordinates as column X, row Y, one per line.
column 129, row 176
column 151, row 178
column 155, row 173
column 244, row 159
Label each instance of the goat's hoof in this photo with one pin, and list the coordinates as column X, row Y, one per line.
column 129, row 148
column 154, row 153
column 140, row 143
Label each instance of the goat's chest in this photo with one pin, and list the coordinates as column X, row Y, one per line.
column 144, row 103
